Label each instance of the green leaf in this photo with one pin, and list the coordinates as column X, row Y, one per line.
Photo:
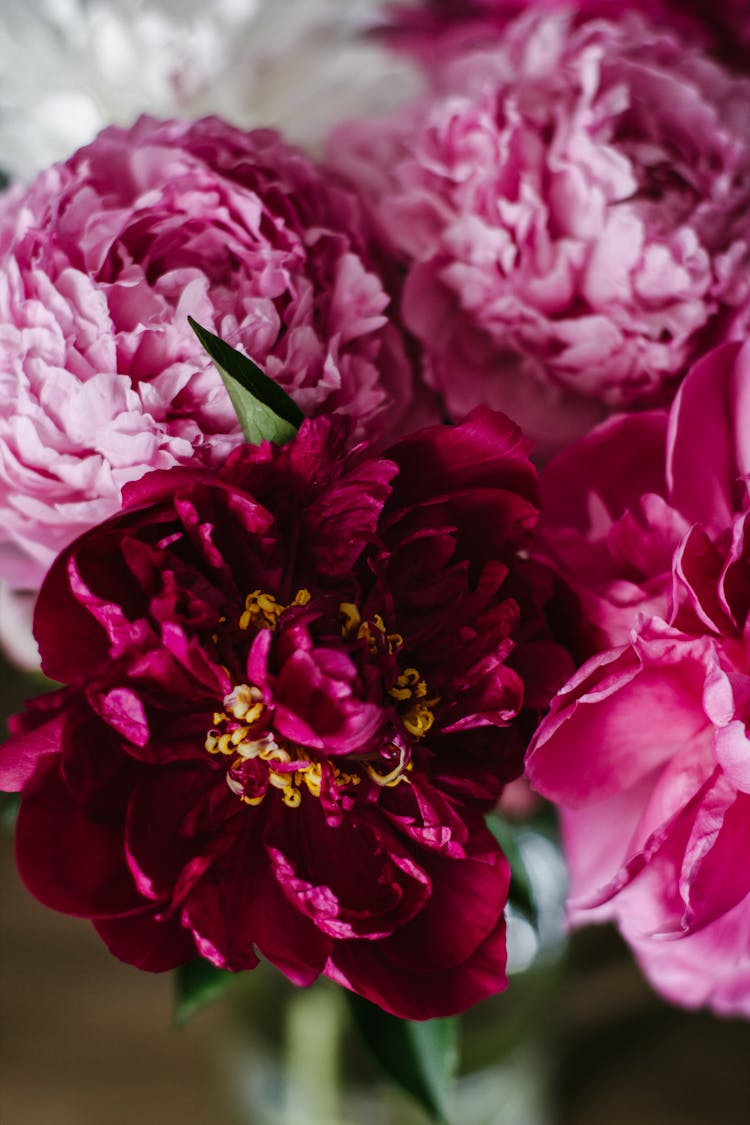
column 196, row 984
column 521, row 893
column 421, row 1058
column 265, row 412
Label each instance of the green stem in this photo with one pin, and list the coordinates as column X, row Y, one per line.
column 313, row 1042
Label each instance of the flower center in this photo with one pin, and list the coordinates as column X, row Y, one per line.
column 262, row 761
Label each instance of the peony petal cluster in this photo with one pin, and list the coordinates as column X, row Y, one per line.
column 431, row 26
column 294, row 686
column 647, row 749
column 104, row 257
column 572, row 207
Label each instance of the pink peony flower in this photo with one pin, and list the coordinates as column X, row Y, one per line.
column 104, row 257
column 722, row 26
column 617, row 503
column 608, row 526
column 572, row 205
column 295, row 685
column 646, row 749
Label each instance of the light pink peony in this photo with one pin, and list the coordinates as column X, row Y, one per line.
column 721, row 26
column 104, row 257
column 646, row 749
column 572, row 205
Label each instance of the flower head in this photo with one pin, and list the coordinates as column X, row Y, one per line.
column 646, row 749
column 295, row 685
column 104, row 257
column 572, row 206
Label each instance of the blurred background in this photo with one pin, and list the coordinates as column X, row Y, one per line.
column 70, row 67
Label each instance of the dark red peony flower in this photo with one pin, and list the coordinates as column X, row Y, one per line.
column 295, row 686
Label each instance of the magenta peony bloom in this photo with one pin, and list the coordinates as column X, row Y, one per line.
column 572, row 204
column 608, row 525
column 295, row 686
column 104, row 257
column 646, row 749
column 617, row 503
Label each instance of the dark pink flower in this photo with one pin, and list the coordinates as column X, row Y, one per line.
column 102, row 260
column 646, row 750
column 295, row 686
column 617, row 503
column 571, row 203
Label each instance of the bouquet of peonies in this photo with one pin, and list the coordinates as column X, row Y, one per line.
column 348, row 484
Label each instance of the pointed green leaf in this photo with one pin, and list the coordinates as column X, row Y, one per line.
column 421, row 1058
column 196, row 984
column 265, row 412
column 521, row 892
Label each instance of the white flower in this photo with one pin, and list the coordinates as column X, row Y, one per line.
column 69, row 67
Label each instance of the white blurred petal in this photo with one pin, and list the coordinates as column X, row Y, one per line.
column 16, row 638
column 68, row 67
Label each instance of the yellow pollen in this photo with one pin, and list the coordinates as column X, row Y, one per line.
column 365, row 633
column 244, row 704
column 392, row 779
column 419, row 718
column 291, row 797
column 263, row 610
column 352, row 626
column 255, row 747
column 350, row 620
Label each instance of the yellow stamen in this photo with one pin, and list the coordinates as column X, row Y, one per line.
column 389, row 780
column 351, row 620
column 245, row 703
column 312, row 775
column 253, row 748
column 261, row 610
column 419, row 719
column 365, row 632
